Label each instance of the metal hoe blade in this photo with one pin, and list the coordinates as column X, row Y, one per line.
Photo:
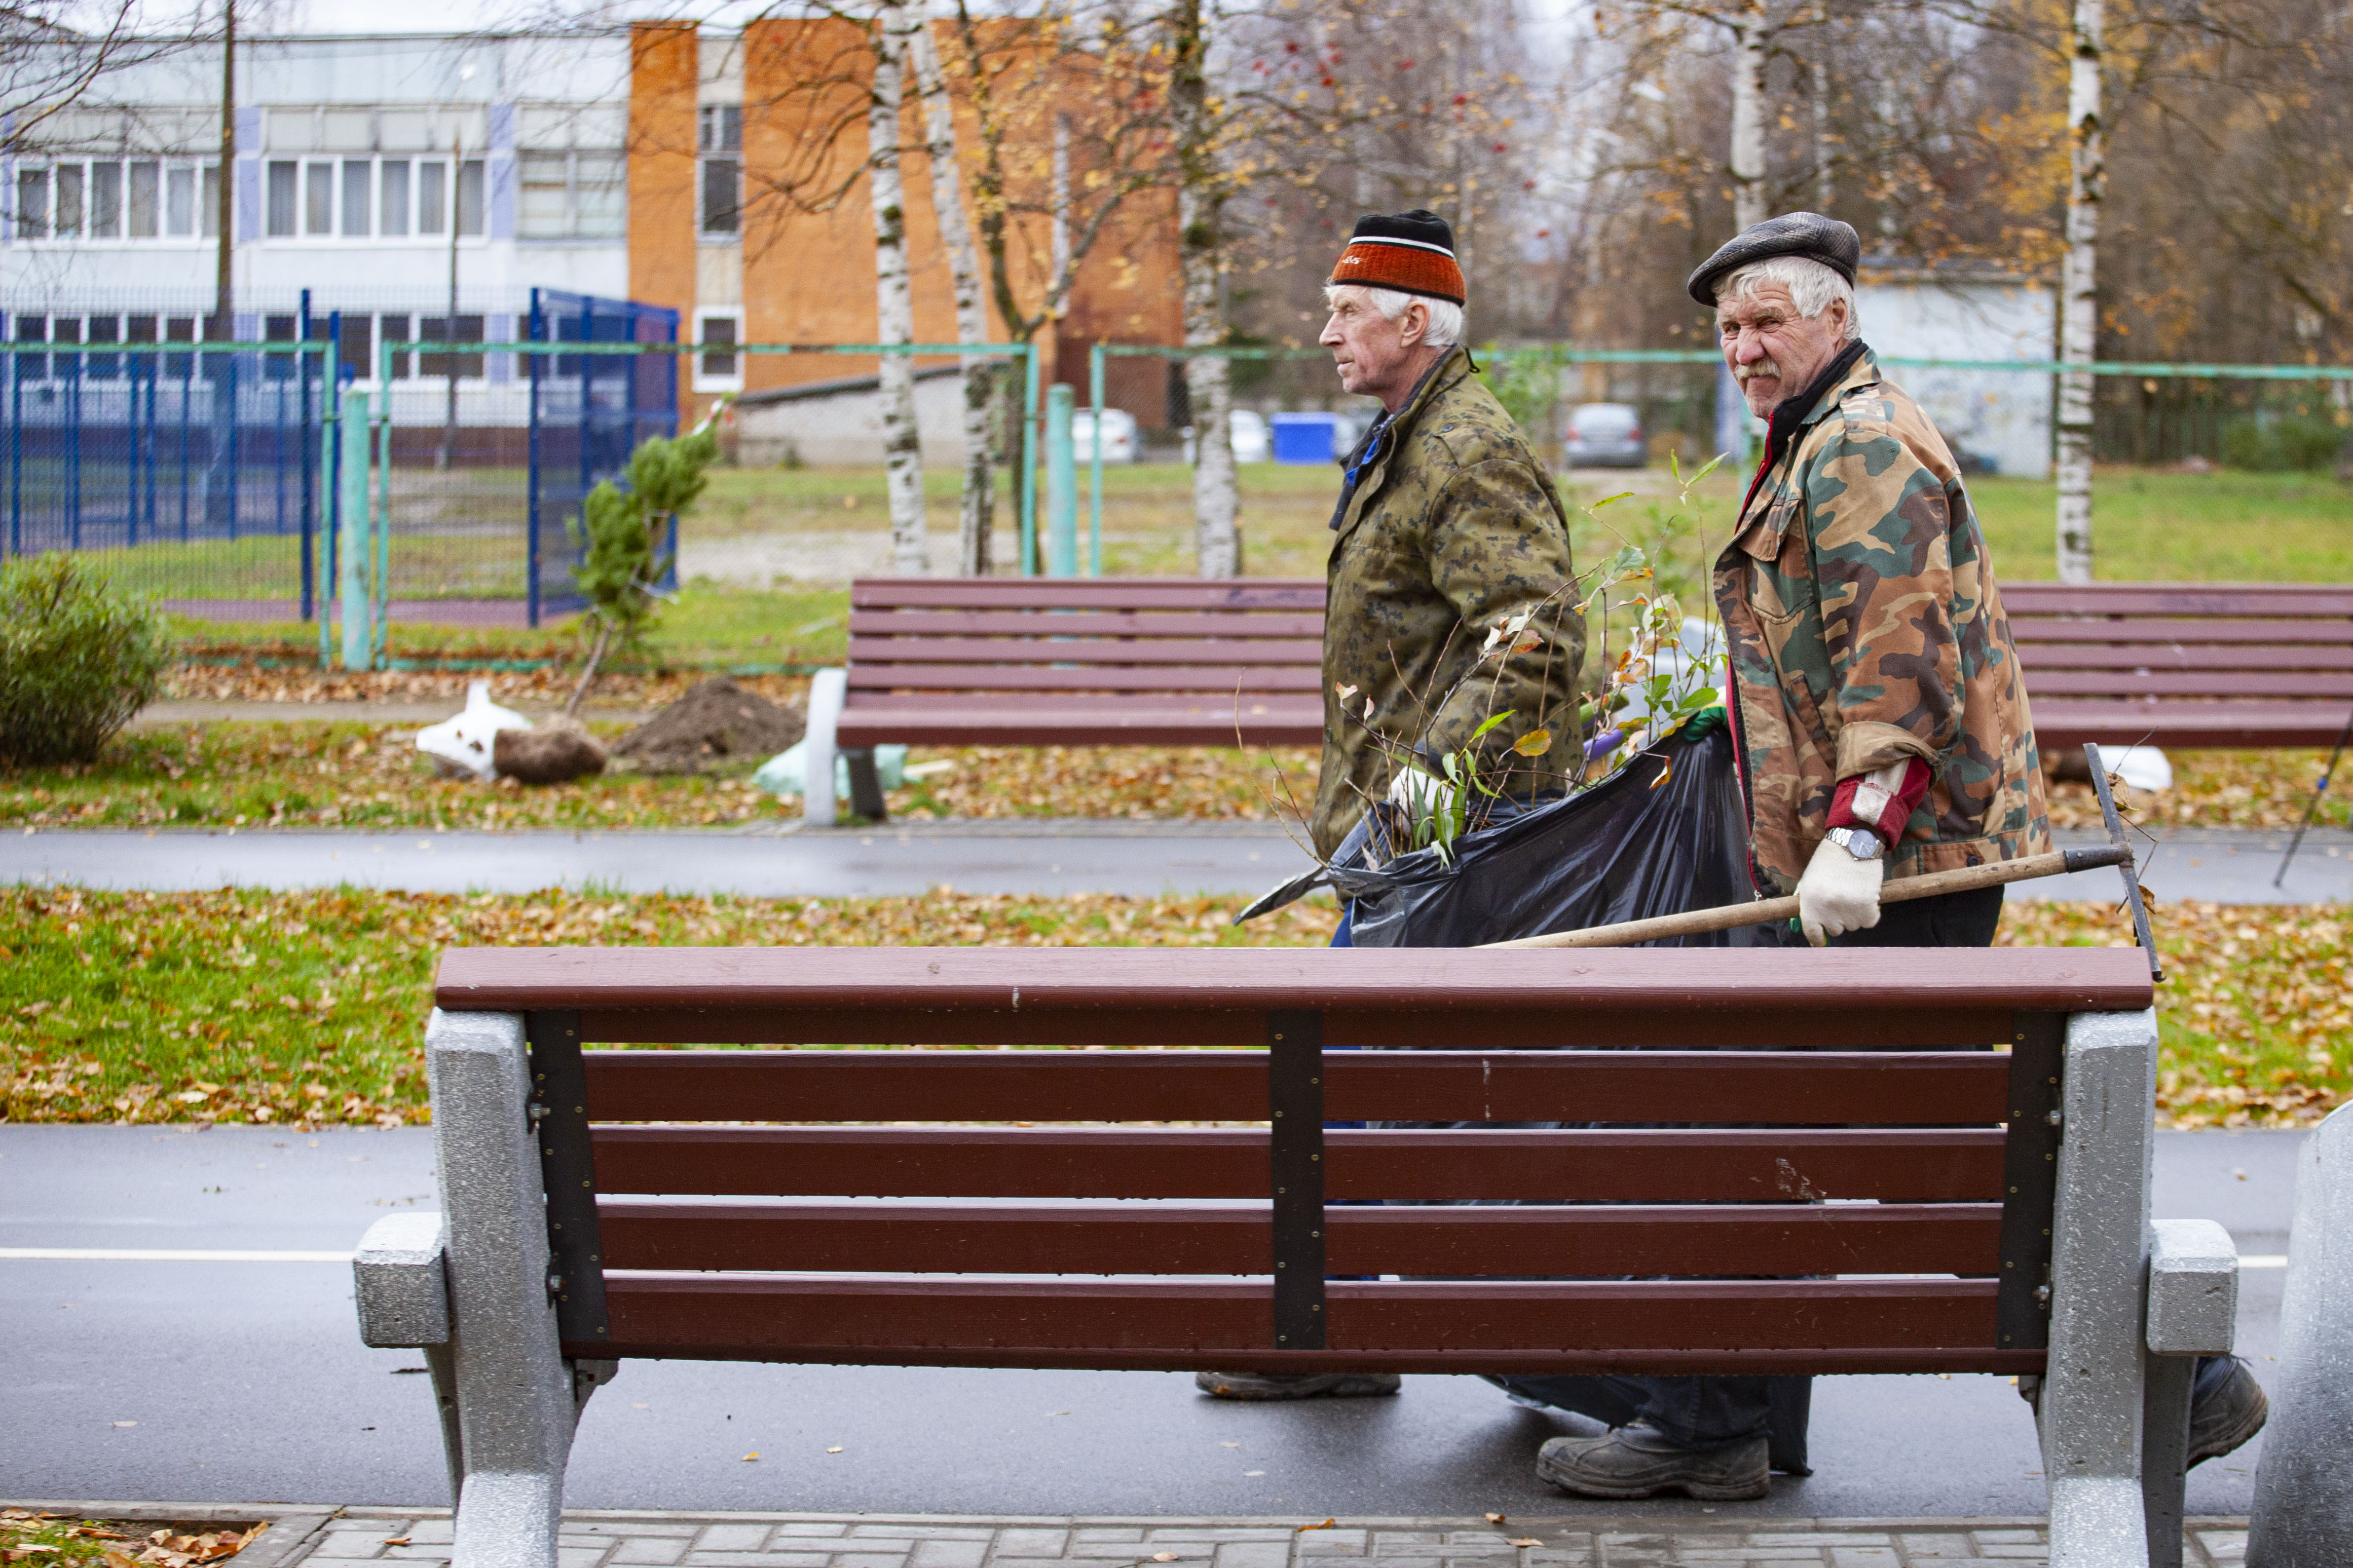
column 2130, row 872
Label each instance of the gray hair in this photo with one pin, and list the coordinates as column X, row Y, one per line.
column 1445, row 315
column 1812, row 284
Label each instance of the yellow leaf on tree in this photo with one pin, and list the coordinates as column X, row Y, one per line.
column 1535, row 743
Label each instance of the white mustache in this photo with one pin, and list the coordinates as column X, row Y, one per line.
column 1745, row 373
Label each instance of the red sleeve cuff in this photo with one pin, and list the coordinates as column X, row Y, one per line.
column 1865, row 801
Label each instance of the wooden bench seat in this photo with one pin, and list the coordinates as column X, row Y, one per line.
column 1897, row 1197
column 2185, row 664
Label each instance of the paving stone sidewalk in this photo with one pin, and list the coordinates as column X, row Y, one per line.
column 378, row 1536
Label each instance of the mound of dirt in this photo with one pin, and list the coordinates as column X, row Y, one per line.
column 714, row 723
column 554, row 751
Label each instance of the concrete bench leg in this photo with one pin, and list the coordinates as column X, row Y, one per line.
column 517, row 1400
column 2092, row 1396
column 2304, row 1487
column 828, row 689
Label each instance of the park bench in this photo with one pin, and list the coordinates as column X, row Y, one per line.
column 1895, row 1199
column 2184, row 665
column 1139, row 661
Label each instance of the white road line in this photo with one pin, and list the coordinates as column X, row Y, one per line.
column 192, row 1255
column 161, row 1255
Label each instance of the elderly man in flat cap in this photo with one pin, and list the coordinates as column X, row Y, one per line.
column 1447, row 526
column 1882, row 732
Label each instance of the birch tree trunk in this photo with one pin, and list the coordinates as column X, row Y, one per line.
column 1748, row 116
column 1819, row 83
column 2079, row 302
column 1199, row 214
column 982, row 426
column 894, row 308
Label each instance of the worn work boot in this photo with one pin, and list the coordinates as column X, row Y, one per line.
column 2228, row 1416
column 1294, row 1384
column 1637, row 1461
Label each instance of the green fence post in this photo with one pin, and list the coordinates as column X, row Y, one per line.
column 1094, row 494
column 1029, row 460
column 1061, row 483
column 351, row 548
column 331, row 427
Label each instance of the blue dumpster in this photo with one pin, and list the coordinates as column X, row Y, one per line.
column 1304, row 437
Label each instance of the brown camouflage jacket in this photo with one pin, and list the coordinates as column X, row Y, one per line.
column 1865, row 627
column 1453, row 526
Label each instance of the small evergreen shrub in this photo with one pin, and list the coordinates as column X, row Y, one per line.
column 78, row 658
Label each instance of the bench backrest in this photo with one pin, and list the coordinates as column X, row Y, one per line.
column 923, row 638
column 2157, row 640
column 809, row 1203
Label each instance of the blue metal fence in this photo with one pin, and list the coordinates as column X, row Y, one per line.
column 196, row 468
column 588, row 413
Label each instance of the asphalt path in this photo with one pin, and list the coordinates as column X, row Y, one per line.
column 1043, row 859
column 242, row 1379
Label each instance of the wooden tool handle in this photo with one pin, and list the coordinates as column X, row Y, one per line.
column 1770, row 911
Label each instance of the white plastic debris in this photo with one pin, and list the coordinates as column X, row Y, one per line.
column 2139, row 767
column 783, row 774
column 466, row 740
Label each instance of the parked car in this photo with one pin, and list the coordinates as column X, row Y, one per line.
column 1246, row 433
column 1119, row 435
column 1605, row 436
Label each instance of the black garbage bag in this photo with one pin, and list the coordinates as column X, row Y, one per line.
column 1664, row 835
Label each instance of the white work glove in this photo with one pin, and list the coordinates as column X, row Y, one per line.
column 1838, row 894
column 1416, row 791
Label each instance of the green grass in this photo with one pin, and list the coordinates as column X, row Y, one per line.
column 242, row 1006
column 2229, row 526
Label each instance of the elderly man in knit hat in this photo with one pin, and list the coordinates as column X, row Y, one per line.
column 1446, row 528
column 1882, row 732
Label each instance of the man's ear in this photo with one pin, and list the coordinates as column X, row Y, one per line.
column 1414, row 325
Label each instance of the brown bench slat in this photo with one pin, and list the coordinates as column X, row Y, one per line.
column 1191, row 996
column 1779, row 1088
column 871, row 684
column 2064, row 724
column 2284, row 686
column 2030, row 633
column 1694, row 1165
column 1039, row 650
column 1089, row 593
column 1186, row 1323
column 2175, row 656
column 1084, row 622
column 2179, row 599
column 1138, row 723
column 1185, row 1238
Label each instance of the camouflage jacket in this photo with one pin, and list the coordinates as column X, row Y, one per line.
column 1866, row 628
column 1453, row 526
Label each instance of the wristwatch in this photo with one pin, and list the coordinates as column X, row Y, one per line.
column 1859, row 842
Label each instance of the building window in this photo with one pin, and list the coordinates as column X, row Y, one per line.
column 470, row 188
column 433, row 199
column 721, row 192
column 450, row 329
column 116, row 199
column 355, row 197
column 146, row 177
column 283, row 179
column 70, row 189
column 33, row 204
column 718, row 368
column 573, row 196
column 392, row 188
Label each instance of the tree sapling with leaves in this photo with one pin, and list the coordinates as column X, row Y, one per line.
column 628, row 538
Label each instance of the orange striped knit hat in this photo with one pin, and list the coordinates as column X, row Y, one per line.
column 1410, row 252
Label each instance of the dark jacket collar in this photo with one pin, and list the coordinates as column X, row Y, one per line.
column 1380, row 442
column 1796, row 412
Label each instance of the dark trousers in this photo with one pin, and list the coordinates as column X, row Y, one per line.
column 1697, row 1411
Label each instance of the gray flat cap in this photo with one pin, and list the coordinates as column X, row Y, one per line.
column 1810, row 235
